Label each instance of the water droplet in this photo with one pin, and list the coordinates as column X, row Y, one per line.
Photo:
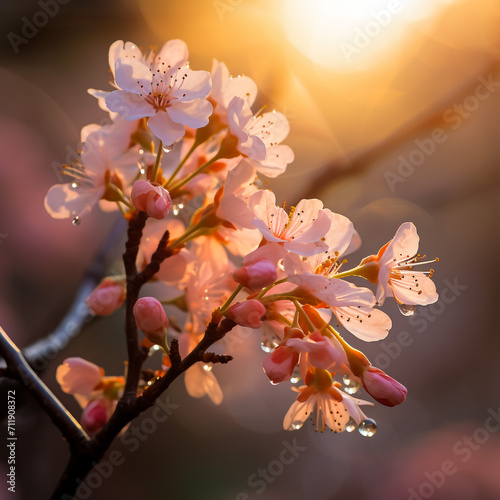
column 296, row 425
column 207, row 368
column 167, row 149
column 295, row 375
column 143, row 171
column 74, row 185
column 141, row 151
column 368, row 427
column 76, row 221
column 268, row 345
column 407, row 310
column 350, row 426
column 351, row 386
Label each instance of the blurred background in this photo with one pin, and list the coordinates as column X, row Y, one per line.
column 394, row 109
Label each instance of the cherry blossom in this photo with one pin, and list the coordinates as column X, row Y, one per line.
column 106, row 298
column 334, row 408
column 395, row 276
column 106, row 167
column 160, row 87
column 302, row 231
column 259, row 137
column 225, row 87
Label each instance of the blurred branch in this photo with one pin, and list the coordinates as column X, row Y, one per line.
column 360, row 160
column 64, row 421
column 40, row 353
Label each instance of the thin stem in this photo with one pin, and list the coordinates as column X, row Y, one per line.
column 231, row 298
column 265, row 290
column 304, row 315
column 181, row 164
column 157, row 162
column 196, row 172
column 64, row 421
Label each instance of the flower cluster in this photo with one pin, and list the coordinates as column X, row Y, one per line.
column 185, row 149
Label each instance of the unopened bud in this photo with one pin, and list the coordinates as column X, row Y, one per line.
column 151, row 198
column 247, row 313
column 106, row 298
column 257, row 275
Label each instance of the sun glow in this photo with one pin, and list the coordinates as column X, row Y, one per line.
column 349, row 35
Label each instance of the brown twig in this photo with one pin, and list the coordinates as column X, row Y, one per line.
column 63, row 420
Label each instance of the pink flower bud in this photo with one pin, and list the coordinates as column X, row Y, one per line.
column 383, row 388
column 279, row 364
column 247, row 313
column 106, row 298
column 96, row 414
column 256, row 275
column 152, row 198
column 150, row 315
column 78, row 376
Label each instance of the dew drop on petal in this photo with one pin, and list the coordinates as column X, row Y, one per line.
column 407, row 310
column 296, row 425
column 368, row 427
column 351, row 386
column 350, row 426
column 76, row 221
column 167, row 149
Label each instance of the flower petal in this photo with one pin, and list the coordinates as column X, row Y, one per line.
column 194, row 114
column 366, row 323
column 165, row 129
column 129, row 105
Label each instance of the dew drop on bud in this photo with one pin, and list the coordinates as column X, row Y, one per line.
column 351, row 386
column 76, row 221
column 350, row 426
column 407, row 310
column 295, row 375
column 368, row 427
column 296, row 425
column 167, row 149
column 269, row 345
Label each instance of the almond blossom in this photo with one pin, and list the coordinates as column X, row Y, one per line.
column 259, row 137
column 160, row 87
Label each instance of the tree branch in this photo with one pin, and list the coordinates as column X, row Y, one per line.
column 64, row 421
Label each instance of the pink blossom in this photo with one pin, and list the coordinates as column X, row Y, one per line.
column 301, row 232
column 225, row 87
column 106, row 298
column 151, row 198
column 106, row 163
column 150, row 315
column 256, row 276
column 238, row 187
column 279, row 364
column 78, row 376
column 96, row 414
column 259, row 137
column 333, row 407
column 248, row 313
column 383, row 388
column 321, row 352
column 396, row 277
column 160, row 87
